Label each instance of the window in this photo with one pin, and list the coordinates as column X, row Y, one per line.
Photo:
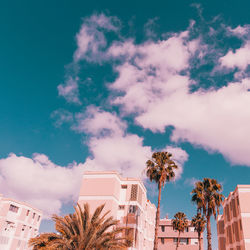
column 132, row 209
column 9, row 226
column 13, row 208
column 162, row 240
column 23, row 227
column 134, row 189
column 124, row 186
column 38, row 218
column 186, row 229
column 183, row 241
column 162, row 228
column 33, row 215
column 28, row 212
column 121, row 207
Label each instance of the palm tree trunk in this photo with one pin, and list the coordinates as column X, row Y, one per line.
column 209, row 246
column 178, row 239
column 157, row 217
column 199, row 239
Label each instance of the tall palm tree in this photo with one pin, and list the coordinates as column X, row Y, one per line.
column 80, row 230
column 179, row 222
column 208, row 198
column 199, row 223
column 160, row 169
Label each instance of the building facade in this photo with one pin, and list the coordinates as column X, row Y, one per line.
column 233, row 227
column 167, row 237
column 18, row 223
column 126, row 199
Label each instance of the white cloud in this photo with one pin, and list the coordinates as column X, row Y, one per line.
column 190, row 181
column 47, row 186
column 61, row 116
column 239, row 31
column 154, row 85
column 112, row 148
column 151, row 71
column 99, row 123
column 70, row 90
column 240, row 58
column 91, row 40
column 149, row 28
column 179, row 156
column 39, row 182
column 125, row 154
column 216, row 119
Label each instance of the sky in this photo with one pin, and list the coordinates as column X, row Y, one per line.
column 101, row 85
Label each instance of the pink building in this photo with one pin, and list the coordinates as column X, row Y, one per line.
column 233, row 227
column 18, row 223
column 126, row 198
column 167, row 237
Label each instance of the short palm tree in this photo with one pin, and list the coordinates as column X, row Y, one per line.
column 160, row 169
column 179, row 223
column 43, row 241
column 208, row 198
column 80, row 230
column 199, row 223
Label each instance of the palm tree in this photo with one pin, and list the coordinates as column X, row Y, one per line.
column 160, row 169
column 199, row 223
column 80, row 230
column 208, row 198
column 179, row 222
column 43, row 241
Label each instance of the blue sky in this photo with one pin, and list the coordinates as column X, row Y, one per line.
column 103, row 84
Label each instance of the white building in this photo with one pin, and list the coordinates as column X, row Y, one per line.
column 167, row 237
column 18, row 223
column 126, row 198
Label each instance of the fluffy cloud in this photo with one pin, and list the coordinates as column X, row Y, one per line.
column 91, row 40
column 47, row 186
column 126, row 154
column 70, row 90
column 179, row 156
column 240, row 58
column 62, row 116
column 190, row 181
column 40, row 182
column 215, row 119
column 112, row 148
column 159, row 74
column 99, row 123
column 151, row 71
column 240, row 31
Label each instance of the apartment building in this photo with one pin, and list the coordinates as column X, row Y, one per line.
column 127, row 201
column 233, row 227
column 167, row 237
column 18, row 223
